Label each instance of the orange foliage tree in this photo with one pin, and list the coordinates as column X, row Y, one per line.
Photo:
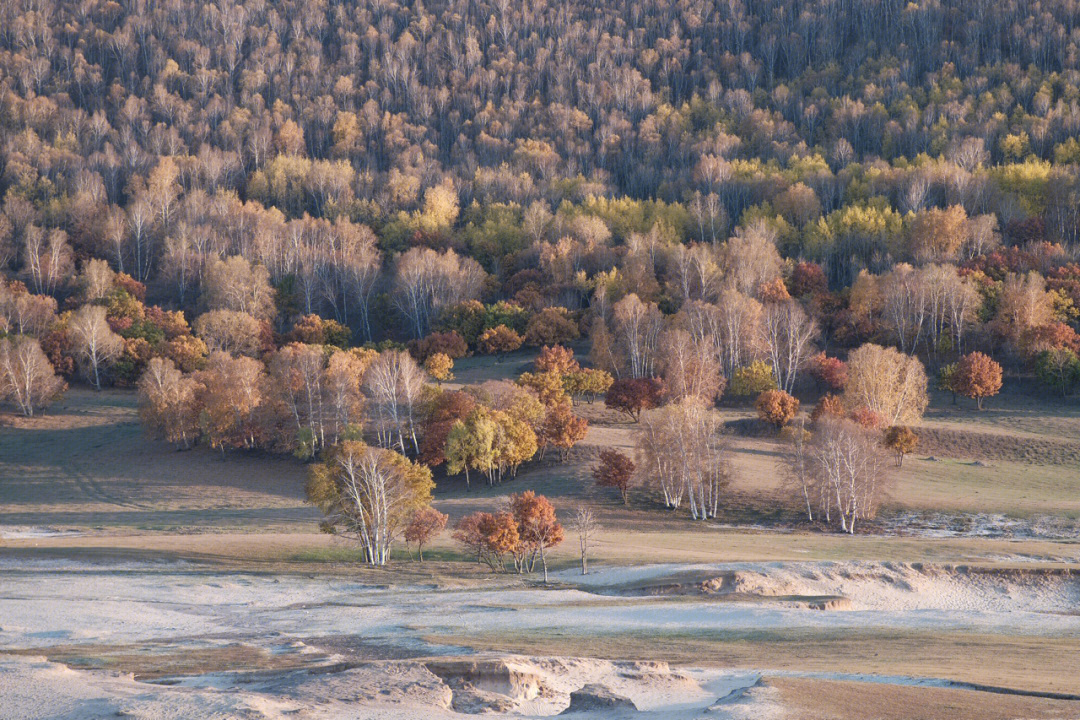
column 978, row 376
column 538, row 530
column 777, row 407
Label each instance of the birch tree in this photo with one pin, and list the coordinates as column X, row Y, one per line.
column 789, row 336
column 95, row 343
column 27, row 378
column 369, row 494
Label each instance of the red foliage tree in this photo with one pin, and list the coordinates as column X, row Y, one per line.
column 446, row 409
column 425, row 524
column 615, row 470
column 634, row 395
column 829, row 372
column 807, row 278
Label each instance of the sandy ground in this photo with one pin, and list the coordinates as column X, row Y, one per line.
column 154, row 640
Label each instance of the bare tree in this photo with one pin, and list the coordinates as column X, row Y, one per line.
column 586, row 526
column 637, row 331
column 789, row 336
column 680, row 449
column 852, row 467
column 96, row 280
column 427, row 281
column 751, row 259
column 394, row 382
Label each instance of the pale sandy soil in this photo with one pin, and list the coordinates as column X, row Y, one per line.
column 185, row 640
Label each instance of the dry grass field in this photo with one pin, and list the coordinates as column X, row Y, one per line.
column 82, row 484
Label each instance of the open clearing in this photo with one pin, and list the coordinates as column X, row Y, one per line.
column 138, row 579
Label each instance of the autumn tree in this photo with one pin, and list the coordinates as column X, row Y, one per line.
column 515, row 442
column 440, row 413
column 562, row 429
column 752, row 379
column 230, row 331
column 369, row 494
column 681, row 452
column 551, row 326
column 499, row 340
column 470, row 444
column 776, row 407
column 1023, row 306
column 902, row 440
column 849, row 465
column 615, row 470
column 426, row 523
column 829, row 372
column 27, row 378
column 538, row 529
column 96, row 345
column 491, row 536
column 556, row 359
column 448, row 343
column 168, row 402
column 440, row 367
column 550, row 387
column 829, row 405
column 887, row 382
column 634, row 395
column 231, row 392
column 589, row 382
column 22, row 313
column 238, row 285
column 342, row 387
column 936, row 235
column 978, row 376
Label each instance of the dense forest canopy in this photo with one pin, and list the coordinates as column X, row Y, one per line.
column 394, row 167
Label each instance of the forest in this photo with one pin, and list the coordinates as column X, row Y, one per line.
column 284, row 222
